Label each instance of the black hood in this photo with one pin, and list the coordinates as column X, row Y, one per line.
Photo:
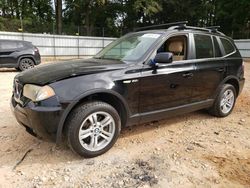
column 49, row 73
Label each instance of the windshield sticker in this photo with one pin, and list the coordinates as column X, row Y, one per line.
column 155, row 36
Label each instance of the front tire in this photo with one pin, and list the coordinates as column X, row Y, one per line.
column 224, row 102
column 93, row 128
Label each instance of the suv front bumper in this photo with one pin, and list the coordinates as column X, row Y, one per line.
column 39, row 121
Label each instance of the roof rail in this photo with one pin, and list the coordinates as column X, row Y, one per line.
column 189, row 27
column 216, row 27
column 182, row 23
column 212, row 29
column 181, row 26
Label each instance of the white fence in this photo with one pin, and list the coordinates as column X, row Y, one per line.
column 78, row 46
column 61, row 45
column 244, row 47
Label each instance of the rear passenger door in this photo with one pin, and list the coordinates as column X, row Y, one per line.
column 7, row 48
column 210, row 66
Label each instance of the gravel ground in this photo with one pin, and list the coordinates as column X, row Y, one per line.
column 191, row 150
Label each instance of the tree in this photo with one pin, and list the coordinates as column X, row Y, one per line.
column 117, row 17
column 86, row 13
column 58, row 8
column 233, row 21
column 36, row 15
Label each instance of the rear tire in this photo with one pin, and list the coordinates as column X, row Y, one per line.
column 224, row 102
column 93, row 128
column 26, row 63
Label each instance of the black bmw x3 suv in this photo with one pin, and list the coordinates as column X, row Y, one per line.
column 141, row 77
column 18, row 54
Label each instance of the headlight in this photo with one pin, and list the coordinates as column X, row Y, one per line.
column 37, row 93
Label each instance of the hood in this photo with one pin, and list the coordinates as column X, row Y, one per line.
column 45, row 74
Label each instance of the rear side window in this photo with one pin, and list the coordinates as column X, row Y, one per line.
column 6, row 45
column 10, row 45
column 27, row 44
column 217, row 51
column 228, row 47
column 19, row 45
column 203, row 46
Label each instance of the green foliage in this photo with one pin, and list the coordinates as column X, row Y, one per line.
column 116, row 17
column 33, row 15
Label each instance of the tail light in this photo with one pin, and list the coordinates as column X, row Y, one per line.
column 36, row 50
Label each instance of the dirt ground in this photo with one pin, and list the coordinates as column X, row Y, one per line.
column 191, row 150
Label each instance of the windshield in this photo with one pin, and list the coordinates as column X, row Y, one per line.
column 129, row 48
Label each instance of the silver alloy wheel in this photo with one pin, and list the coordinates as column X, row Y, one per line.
column 97, row 131
column 26, row 63
column 227, row 101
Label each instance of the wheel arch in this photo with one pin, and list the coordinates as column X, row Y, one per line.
column 25, row 56
column 111, row 97
column 233, row 80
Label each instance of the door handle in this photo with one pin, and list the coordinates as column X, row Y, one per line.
column 188, row 75
column 220, row 69
column 173, row 86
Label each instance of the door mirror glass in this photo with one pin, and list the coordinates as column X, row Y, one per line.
column 164, row 57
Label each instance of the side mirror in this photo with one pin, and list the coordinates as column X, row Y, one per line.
column 164, row 57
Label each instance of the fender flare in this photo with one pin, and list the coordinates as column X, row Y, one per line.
column 223, row 82
column 77, row 100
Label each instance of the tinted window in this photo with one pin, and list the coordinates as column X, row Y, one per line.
column 203, row 46
column 19, row 45
column 228, row 47
column 217, row 51
column 7, row 45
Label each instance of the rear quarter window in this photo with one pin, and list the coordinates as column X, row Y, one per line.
column 228, row 46
column 27, row 44
column 19, row 45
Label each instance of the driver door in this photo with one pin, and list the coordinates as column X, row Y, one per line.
column 169, row 86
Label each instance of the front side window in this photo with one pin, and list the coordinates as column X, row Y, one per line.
column 228, row 47
column 203, row 46
column 129, row 48
column 177, row 45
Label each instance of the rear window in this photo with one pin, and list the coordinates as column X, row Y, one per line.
column 228, row 47
column 203, row 46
